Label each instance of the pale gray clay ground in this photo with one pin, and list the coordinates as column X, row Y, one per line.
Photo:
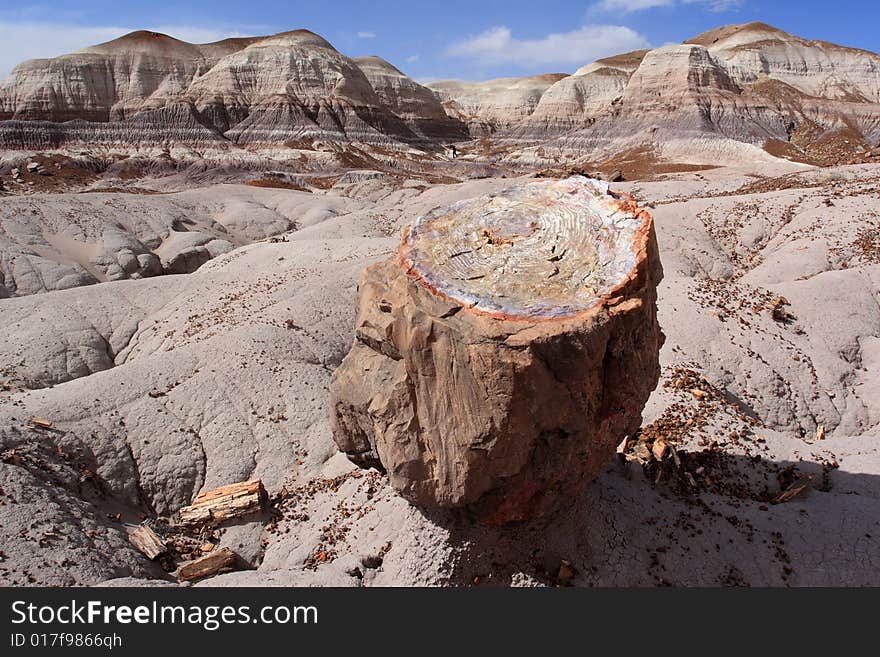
column 162, row 386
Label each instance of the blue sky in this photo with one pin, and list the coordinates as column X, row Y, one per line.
column 469, row 40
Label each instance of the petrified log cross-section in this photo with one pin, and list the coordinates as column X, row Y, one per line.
column 539, row 251
column 507, row 349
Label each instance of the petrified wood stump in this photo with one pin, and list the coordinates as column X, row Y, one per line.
column 505, row 352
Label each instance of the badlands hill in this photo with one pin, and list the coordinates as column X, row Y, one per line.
column 741, row 92
column 723, row 96
column 720, row 97
column 151, row 87
column 495, row 104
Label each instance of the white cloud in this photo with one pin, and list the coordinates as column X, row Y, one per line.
column 22, row 41
column 497, row 46
column 366, row 35
column 720, row 5
column 412, row 59
column 631, row 6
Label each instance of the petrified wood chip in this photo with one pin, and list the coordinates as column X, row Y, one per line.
column 148, row 542
column 501, row 357
column 232, row 501
column 214, row 562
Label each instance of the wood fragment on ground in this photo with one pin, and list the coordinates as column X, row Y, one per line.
column 213, row 563
column 232, row 501
column 148, row 542
column 38, row 422
column 792, row 491
column 566, row 573
column 658, row 449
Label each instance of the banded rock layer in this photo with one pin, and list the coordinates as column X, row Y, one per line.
column 496, row 104
column 712, row 98
column 267, row 90
column 719, row 98
column 574, row 100
column 419, row 107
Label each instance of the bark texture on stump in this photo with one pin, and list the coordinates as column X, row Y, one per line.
column 504, row 353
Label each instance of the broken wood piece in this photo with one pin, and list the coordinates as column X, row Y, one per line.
column 699, row 394
column 213, row 563
column 792, row 491
column 778, row 311
column 40, row 422
column 148, row 542
column 566, row 573
column 658, row 449
column 231, row 501
column 820, row 432
column 641, row 452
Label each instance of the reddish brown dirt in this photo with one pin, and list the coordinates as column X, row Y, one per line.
column 716, row 35
column 811, row 144
column 644, row 164
column 64, row 174
column 306, row 144
column 625, row 60
column 276, row 183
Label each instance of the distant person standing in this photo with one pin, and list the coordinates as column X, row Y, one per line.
column 454, row 152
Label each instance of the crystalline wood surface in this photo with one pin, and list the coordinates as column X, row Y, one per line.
column 550, row 249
